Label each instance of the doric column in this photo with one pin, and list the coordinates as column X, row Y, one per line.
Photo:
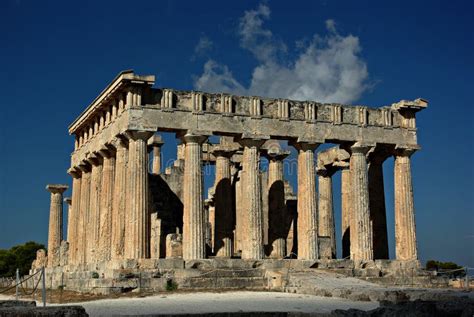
column 307, row 222
column 326, row 227
column 346, row 211
column 73, row 215
column 239, row 212
column 106, row 201
column 55, row 233
column 119, row 199
column 154, row 144
column 193, row 212
column 139, row 225
column 377, row 207
column 405, row 231
column 223, row 217
column 362, row 248
column 252, row 232
column 82, row 225
column 277, row 212
column 93, row 215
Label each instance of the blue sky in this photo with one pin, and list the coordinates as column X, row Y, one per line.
column 56, row 56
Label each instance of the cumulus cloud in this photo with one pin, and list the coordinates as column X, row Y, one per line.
column 327, row 69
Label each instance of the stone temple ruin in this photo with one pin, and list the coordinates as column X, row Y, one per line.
column 126, row 215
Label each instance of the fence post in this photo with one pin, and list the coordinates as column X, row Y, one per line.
column 43, row 288
column 467, row 278
column 17, row 283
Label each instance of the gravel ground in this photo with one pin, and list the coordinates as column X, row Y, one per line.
column 220, row 302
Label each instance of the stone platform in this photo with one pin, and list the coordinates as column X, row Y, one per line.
column 154, row 275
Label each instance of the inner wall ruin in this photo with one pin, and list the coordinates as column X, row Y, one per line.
column 125, row 207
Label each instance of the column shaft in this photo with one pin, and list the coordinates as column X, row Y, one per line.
column 82, row 225
column 94, row 212
column 377, row 209
column 55, row 233
column 405, row 231
column 119, row 201
column 106, row 201
column 139, row 224
column 307, row 222
column 276, row 209
column 223, row 222
column 74, row 215
column 193, row 212
column 253, row 213
column 362, row 248
column 346, row 210
column 326, row 225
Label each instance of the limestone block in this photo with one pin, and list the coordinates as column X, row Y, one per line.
column 174, row 245
column 325, row 247
column 64, row 253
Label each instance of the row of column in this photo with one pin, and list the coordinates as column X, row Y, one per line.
column 109, row 215
column 364, row 227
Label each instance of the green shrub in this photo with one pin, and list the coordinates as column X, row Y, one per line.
column 20, row 256
column 171, row 285
column 95, row 275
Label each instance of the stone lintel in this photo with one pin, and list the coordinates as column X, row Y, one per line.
column 56, row 188
column 414, row 105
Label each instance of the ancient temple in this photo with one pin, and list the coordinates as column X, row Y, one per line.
column 125, row 205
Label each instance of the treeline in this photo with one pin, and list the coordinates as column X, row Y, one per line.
column 451, row 269
column 20, row 256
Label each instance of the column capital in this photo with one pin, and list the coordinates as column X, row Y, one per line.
column 155, row 141
column 326, row 172
column 119, row 141
column 56, row 188
column 94, row 159
column 304, row 145
column 84, row 166
column 138, row 135
column 360, row 147
column 68, row 201
column 194, row 138
column 74, row 171
column 407, row 151
column 220, row 151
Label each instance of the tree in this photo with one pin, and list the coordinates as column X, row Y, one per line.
column 450, row 269
column 20, row 256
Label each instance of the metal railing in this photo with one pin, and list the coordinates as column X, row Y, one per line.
column 19, row 285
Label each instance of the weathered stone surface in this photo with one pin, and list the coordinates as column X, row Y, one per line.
column 55, row 233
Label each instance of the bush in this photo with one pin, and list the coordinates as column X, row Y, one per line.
column 171, row 285
column 95, row 275
column 20, row 256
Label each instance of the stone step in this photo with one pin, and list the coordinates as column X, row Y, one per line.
column 225, row 283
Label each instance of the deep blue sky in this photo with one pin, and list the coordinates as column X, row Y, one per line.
column 56, row 56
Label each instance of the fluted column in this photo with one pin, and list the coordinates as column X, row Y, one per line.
column 326, row 226
column 362, row 248
column 251, row 193
column 138, row 233
column 119, row 200
column 223, row 224
column 106, row 201
column 239, row 213
column 68, row 201
column 405, row 230
column 193, row 212
column 377, row 207
column 73, row 215
column 307, row 222
column 346, row 210
column 82, row 225
column 277, row 212
column 154, row 145
column 93, row 215
column 55, row 232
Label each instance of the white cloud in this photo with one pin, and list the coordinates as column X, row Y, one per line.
column 203, row 46
column 327, row 69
